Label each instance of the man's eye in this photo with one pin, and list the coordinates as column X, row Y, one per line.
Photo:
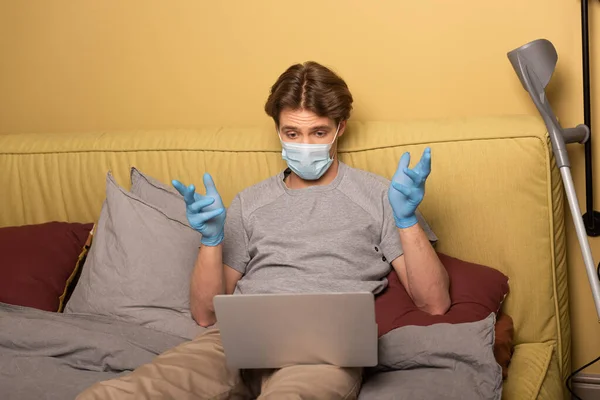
column 291, row 135
column 321, row 134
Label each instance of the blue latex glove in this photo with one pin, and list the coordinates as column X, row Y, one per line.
column 407, row 188
column 206, row 214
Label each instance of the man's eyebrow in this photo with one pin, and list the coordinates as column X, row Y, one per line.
column 320, row 128
column 312, row 128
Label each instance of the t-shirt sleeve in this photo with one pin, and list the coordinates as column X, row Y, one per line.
column 390, row 238
column 235, row 243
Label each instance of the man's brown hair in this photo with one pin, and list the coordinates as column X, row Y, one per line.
column 313, row 87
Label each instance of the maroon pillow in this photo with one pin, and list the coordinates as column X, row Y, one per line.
column 475, row 292
column 36, row 262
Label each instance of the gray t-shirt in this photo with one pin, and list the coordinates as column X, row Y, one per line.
column 339, row 237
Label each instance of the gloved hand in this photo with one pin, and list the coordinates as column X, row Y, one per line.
column 206, row 214
column 407, row 188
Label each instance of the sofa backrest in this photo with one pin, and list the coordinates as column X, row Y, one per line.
column 494, row 195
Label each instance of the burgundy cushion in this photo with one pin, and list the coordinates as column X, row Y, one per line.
column 475, row 292
column 36, row 262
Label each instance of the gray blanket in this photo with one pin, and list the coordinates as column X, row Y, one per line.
column 47, row 355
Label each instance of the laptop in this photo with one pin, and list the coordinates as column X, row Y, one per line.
column 275, row 330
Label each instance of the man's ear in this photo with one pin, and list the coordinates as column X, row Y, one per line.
column 342, row 128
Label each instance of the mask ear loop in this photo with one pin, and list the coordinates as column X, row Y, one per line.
column 333, row 141
column 336, row 132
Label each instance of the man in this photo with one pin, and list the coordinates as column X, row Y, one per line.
column 320, row 225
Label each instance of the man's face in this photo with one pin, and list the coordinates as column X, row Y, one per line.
column 302, row 126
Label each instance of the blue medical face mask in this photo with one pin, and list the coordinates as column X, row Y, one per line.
column 308, row 161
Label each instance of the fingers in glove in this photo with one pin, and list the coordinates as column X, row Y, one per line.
column 197, row 206
column 415, row 176
column 402, row 164
column 424, row 165
column 186, row 192
column 181, row 188
column 209, row 185
column 401, row 188
column 208, row 215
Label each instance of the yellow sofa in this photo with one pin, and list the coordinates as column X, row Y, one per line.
column 494, row 197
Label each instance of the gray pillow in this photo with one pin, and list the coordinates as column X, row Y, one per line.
column 160, row 195
column 441, row 361
column 139, row 266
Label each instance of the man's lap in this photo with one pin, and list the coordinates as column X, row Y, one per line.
column 197, row 369
column 305, row 382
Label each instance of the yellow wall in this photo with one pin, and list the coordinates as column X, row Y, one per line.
column 113, row 64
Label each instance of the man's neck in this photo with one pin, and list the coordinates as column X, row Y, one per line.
column 293, row 181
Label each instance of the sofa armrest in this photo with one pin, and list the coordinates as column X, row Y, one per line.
column 533, row 373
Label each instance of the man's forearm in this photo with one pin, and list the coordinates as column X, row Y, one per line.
column 427, row 277
column 207, row 282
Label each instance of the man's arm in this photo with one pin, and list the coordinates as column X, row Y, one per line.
column 421, row 272
column 210, row 278
column 419, row 268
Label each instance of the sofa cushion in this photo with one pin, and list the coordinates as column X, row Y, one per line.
column 139, row 266
column 534, row 373
column 37, row 261
column 449, row 361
